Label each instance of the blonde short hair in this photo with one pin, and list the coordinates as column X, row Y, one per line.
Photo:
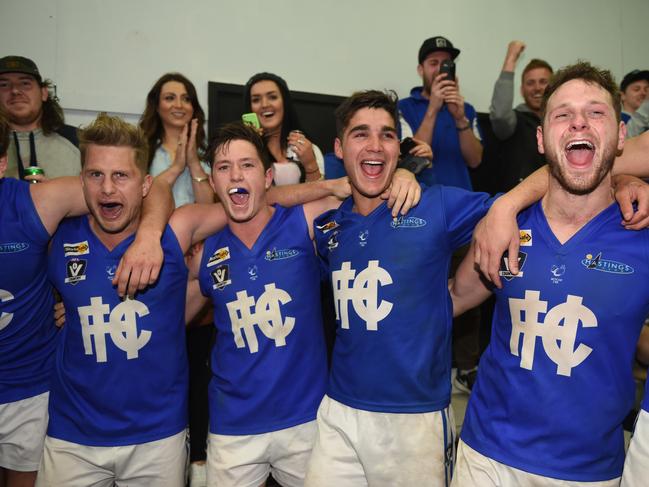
column 107, row 130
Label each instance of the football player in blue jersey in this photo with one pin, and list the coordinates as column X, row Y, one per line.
column 555, row 383
column 118, row 394
column 269, row 362
column 29, row 215
column 385, row 419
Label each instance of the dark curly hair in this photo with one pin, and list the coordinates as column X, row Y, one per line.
column 150, row 121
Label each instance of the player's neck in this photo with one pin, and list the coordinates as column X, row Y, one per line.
column 364, row 205
column 249, row 231
column 567, row 213
column 112, row 240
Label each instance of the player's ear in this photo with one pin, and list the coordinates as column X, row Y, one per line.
column 3, row 165
column 146, row 184
column 269, row 177
column 539, row 140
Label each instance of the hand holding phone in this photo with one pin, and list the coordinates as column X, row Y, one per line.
column 448, row 67
column 251, row 119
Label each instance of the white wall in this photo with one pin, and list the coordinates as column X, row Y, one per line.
column 105, row 55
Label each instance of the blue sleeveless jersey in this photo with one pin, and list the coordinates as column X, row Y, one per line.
column 121, row 366
column 393, row 309
column 269, row 362
column 555, row 382
column 27, row 332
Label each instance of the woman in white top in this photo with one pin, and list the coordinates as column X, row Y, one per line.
column 268, row 96
column 173, row 122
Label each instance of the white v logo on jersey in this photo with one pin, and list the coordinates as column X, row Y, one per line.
column 5, row 318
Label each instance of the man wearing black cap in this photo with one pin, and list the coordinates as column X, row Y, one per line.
column 438, row 114
column 634, row 88
column 635, row 101
column 39, row 136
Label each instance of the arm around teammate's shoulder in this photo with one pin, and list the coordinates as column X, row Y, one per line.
column 196, row 222
column 467, row 289
column 56, row 199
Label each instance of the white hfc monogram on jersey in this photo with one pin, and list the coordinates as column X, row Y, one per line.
column 121, row 326
column 266, row 315
column 362, row 291
column 5, row 318
column 558, row 331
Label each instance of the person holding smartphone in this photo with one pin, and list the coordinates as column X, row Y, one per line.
column 437, row 114
column 173, row 122
column 295, row 157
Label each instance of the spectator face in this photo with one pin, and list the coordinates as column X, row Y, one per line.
column 266, row 101
column 369, row 149
column 429, row 68
column 580, row 135
column 239, row 180
column 635, row 94
column 22, row 98
column 113, row 187
column 174, row 107
column 534, row 83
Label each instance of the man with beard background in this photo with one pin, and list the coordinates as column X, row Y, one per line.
column 40, row 138
column 556, row 383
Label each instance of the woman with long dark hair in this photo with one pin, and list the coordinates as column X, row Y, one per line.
column 268, row 96
column 173, row 122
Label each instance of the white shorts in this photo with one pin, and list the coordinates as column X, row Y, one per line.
column 247, row 460
column 22, row 431
column 475, row 469
column 161, row 463
column 636, row 466
column 360, row 448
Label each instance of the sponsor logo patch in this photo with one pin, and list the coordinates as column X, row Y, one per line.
column 75, row 270
column 79, row 248
column 221, row 277
column 605, row 265
column 13, row 247
column 525, row 238
column 110, row 271
column 219, row 256
column 408, row 222
column 280, row 254
column 252, row 272
column 557, row 270
column 327, row 227
column 504, row 271
column 332, row 242
column 362, row 237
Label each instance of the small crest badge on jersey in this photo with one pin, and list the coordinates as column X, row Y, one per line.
column 75, row 271
column 221, row 277
column 504, row 271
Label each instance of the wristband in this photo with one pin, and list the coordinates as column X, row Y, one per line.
column 465, row 127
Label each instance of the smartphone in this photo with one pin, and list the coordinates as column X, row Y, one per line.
column 251, row 119
column 448, row 67
column 406, row 146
